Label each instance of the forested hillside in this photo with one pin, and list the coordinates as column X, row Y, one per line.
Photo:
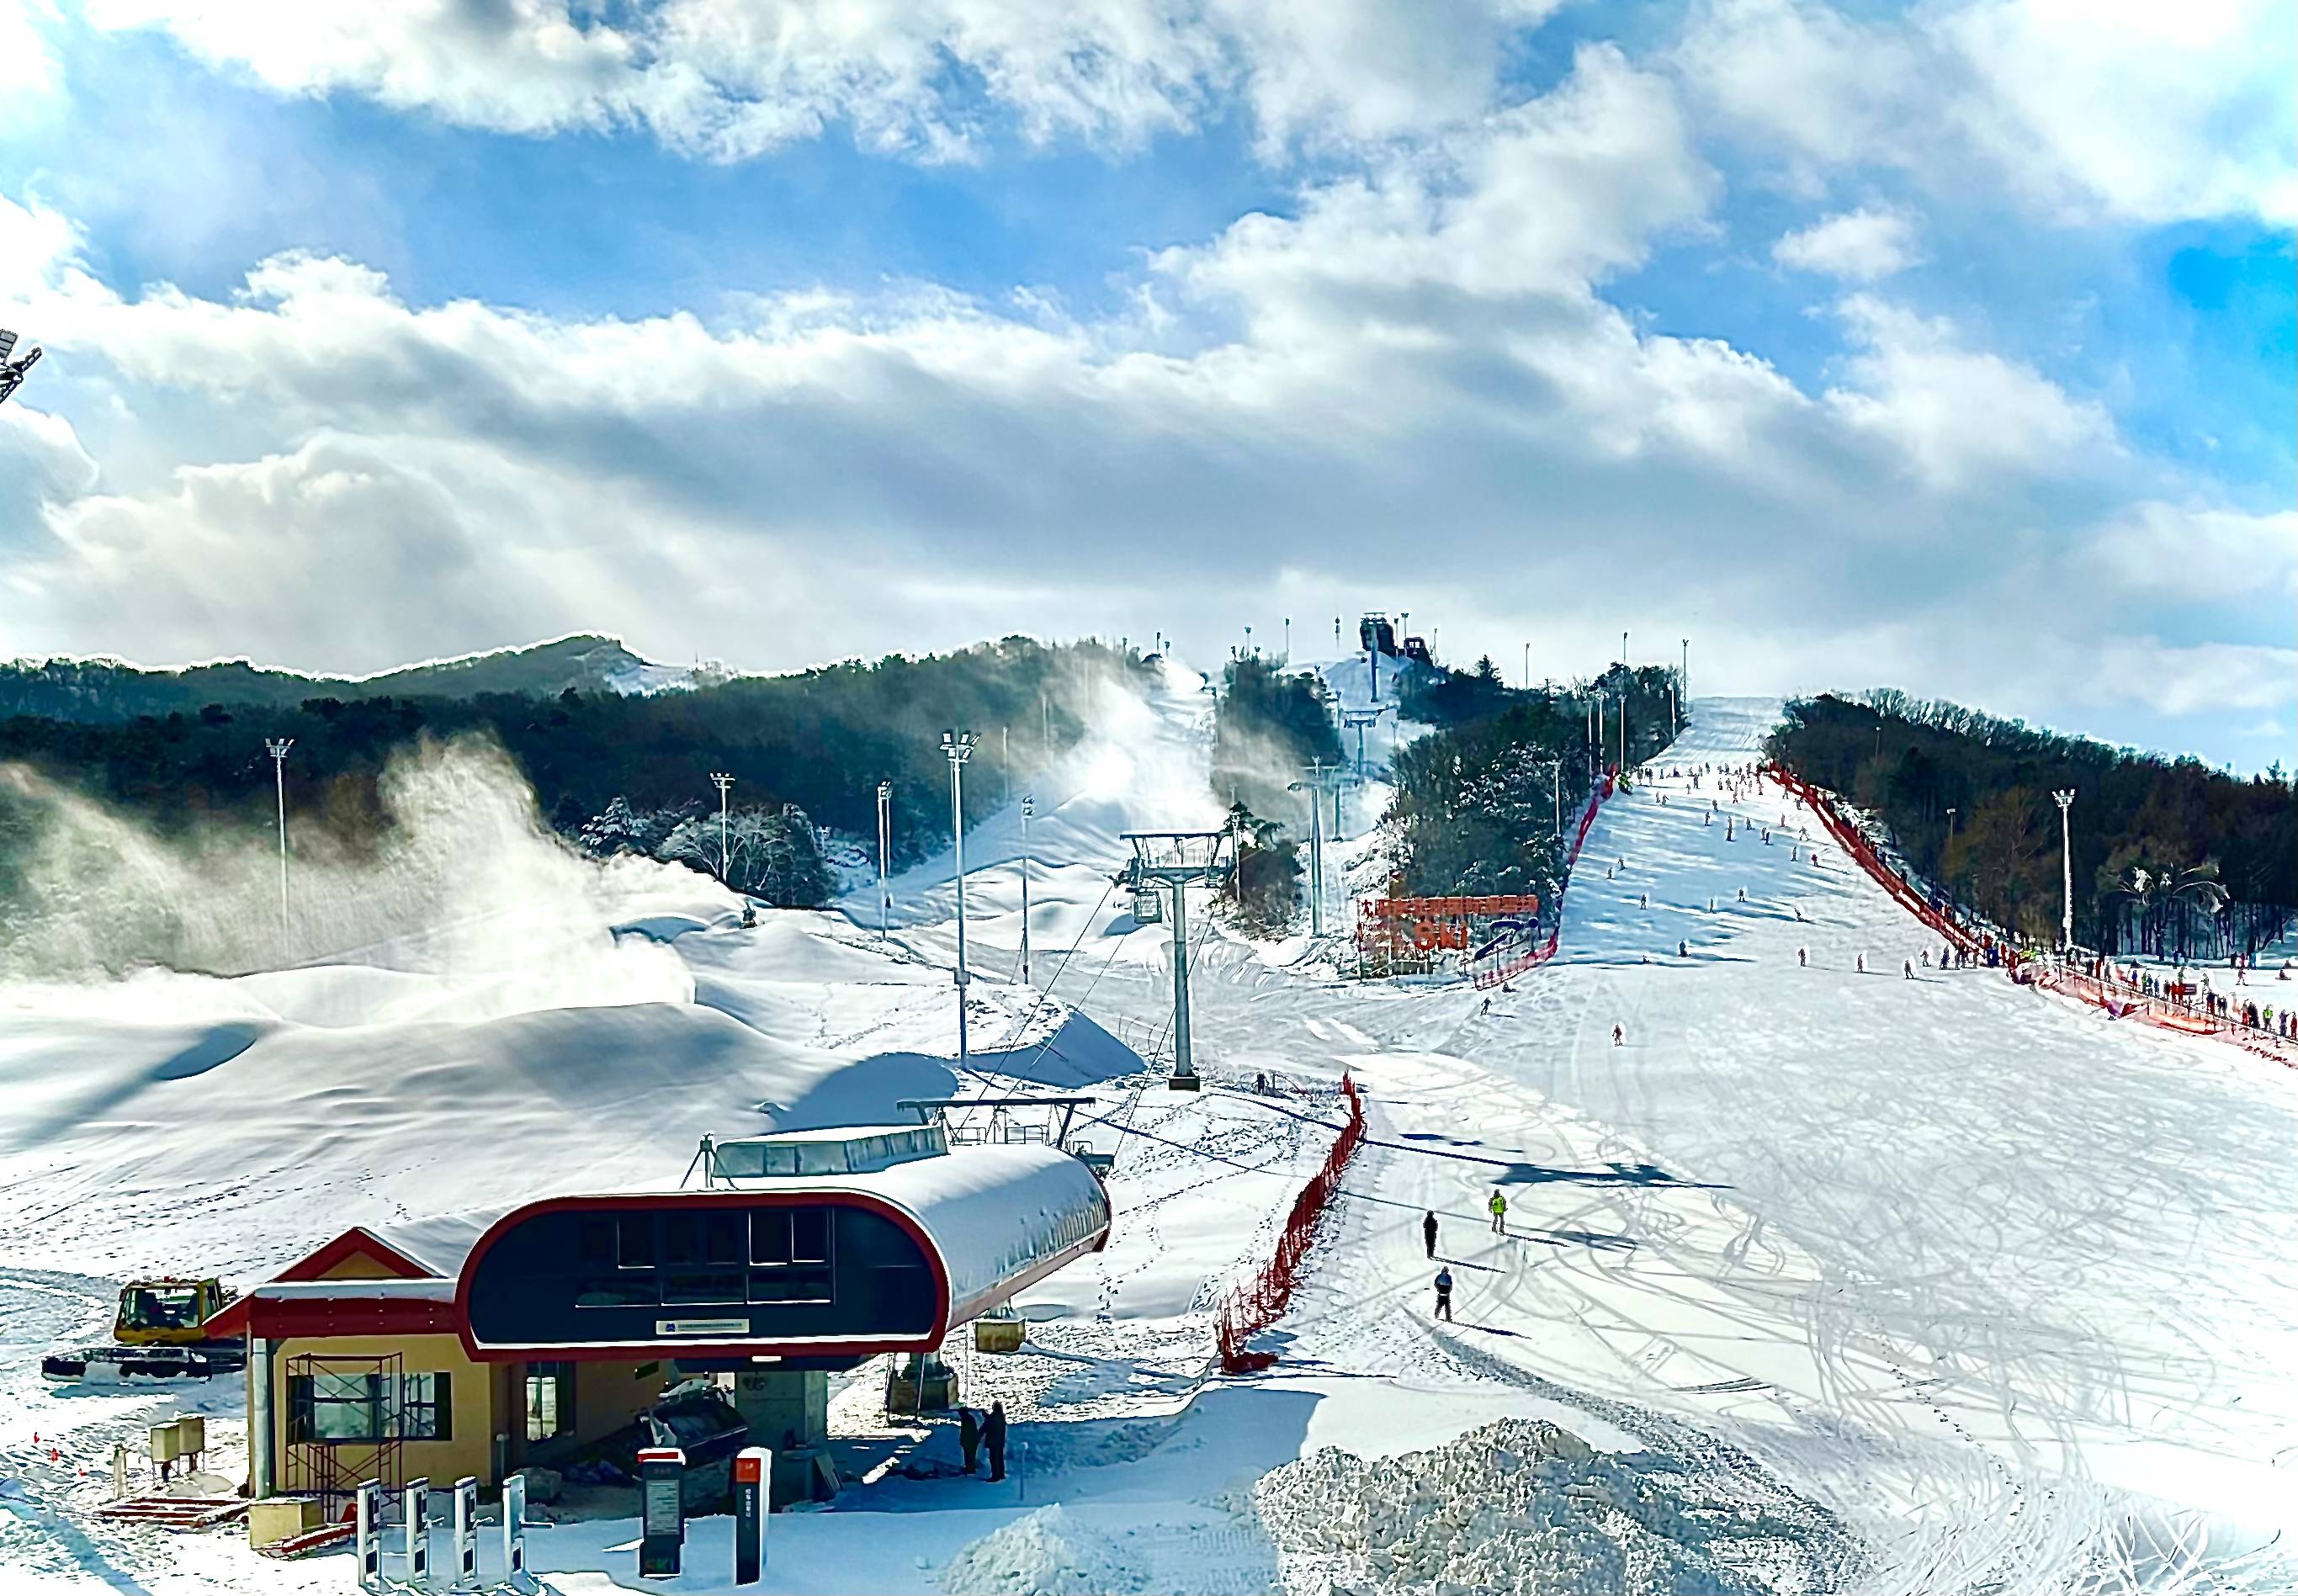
column 2168, row 855
column 1483, row 804
column 613, row 769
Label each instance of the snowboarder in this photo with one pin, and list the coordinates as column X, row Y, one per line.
column 1444, row 1295
column 1743, row 894
column 1619, row 1035
column 1907, row 970
column 1803, row 956
column 1683, row 950
column 1927, row 958
column 1487, row 1008
column 1428, row 1230
column 1643, row 900
column 1862, row 964
column 993, row 1436
column 1799, row 910
column 969, row 1436
column 1498, row 1208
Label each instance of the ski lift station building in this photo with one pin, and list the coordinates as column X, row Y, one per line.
column 532, row 1337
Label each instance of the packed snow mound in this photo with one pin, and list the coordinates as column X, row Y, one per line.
column 1525, row 1506
column 1047, row 1553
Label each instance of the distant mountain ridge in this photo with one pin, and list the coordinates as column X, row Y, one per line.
column 97, row 690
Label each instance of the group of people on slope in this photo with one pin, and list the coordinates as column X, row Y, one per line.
column 1497, row 1206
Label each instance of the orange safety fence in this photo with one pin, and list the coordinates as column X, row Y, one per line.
column 1261, row 1301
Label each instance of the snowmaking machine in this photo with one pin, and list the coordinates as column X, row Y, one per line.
column 160, row 1334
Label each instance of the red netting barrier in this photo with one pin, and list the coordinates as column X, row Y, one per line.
column 1258, row 1303
column 2120, row 999
column 1855, row 843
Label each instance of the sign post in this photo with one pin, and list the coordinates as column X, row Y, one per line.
column 369, row 1511
column 466, row 1531
column 754, row 1484
column 514, row 1528
column 662, row 1534
column 417, row 1505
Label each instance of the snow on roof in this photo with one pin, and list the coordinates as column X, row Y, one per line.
column 992, row 1211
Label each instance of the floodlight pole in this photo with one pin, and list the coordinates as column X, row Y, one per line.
column 885, row 847
column 1527, row 667
column 1685, row 672
column 1028, row 808
column 279, row 747
column 724, row 783
column 2065, row 799
column 958, row 747
column 1556, row 789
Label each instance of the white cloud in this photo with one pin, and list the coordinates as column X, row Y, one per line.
column 2084, row 109
column 729, row 78
column 1860, row 246
column 2200, row 554
column 1955, row 414
column 31, row 79
column 1411, row 384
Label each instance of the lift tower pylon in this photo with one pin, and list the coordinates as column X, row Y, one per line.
column 1175, row 862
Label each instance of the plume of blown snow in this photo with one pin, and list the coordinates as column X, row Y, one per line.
column 466, row 906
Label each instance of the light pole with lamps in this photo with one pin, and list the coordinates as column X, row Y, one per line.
column 1028, row 808
column 2065, row 800
column 958, row 747
column 724, row 783
column 885, row 847
column 279, row 747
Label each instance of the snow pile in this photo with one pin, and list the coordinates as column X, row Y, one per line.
column 1047, row 1553
column 1523, row 1505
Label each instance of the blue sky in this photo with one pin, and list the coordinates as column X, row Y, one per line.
column 1853, row 343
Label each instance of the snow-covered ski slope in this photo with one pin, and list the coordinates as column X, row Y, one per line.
column 2008, row 1286
column 1946, row 1285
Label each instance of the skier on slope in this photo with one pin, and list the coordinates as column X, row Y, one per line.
column 1683, row 950
column 1497, row 1206
column 1619, row 1035
column 1862, row 964
column 1444, row 1295
column 1907, row 970
column 1803, row 955
column 1428, row 1231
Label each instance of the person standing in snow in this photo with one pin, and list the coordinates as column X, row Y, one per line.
column 993, row 1436
column 1907, row 970
column 1428, row 1230
column 1498, row 1208
column 1619, row 1035
column 969, row 1436
column 1444, row 1295
column 1862, row 964
column 1683, row 950
column 1803, row 955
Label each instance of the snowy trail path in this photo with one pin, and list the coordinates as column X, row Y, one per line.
column 2003, row 1284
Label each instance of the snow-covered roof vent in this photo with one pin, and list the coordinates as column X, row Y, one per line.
column 838, row 1149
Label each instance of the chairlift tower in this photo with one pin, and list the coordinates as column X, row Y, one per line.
column 1322, row 778
column 1174, row 862
column 14, row 367
column 1358, row 719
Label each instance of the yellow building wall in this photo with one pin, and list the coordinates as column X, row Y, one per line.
column 478, row 1411
column 358, row 1266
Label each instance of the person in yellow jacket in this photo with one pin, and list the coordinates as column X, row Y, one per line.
column 1499, row 1207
